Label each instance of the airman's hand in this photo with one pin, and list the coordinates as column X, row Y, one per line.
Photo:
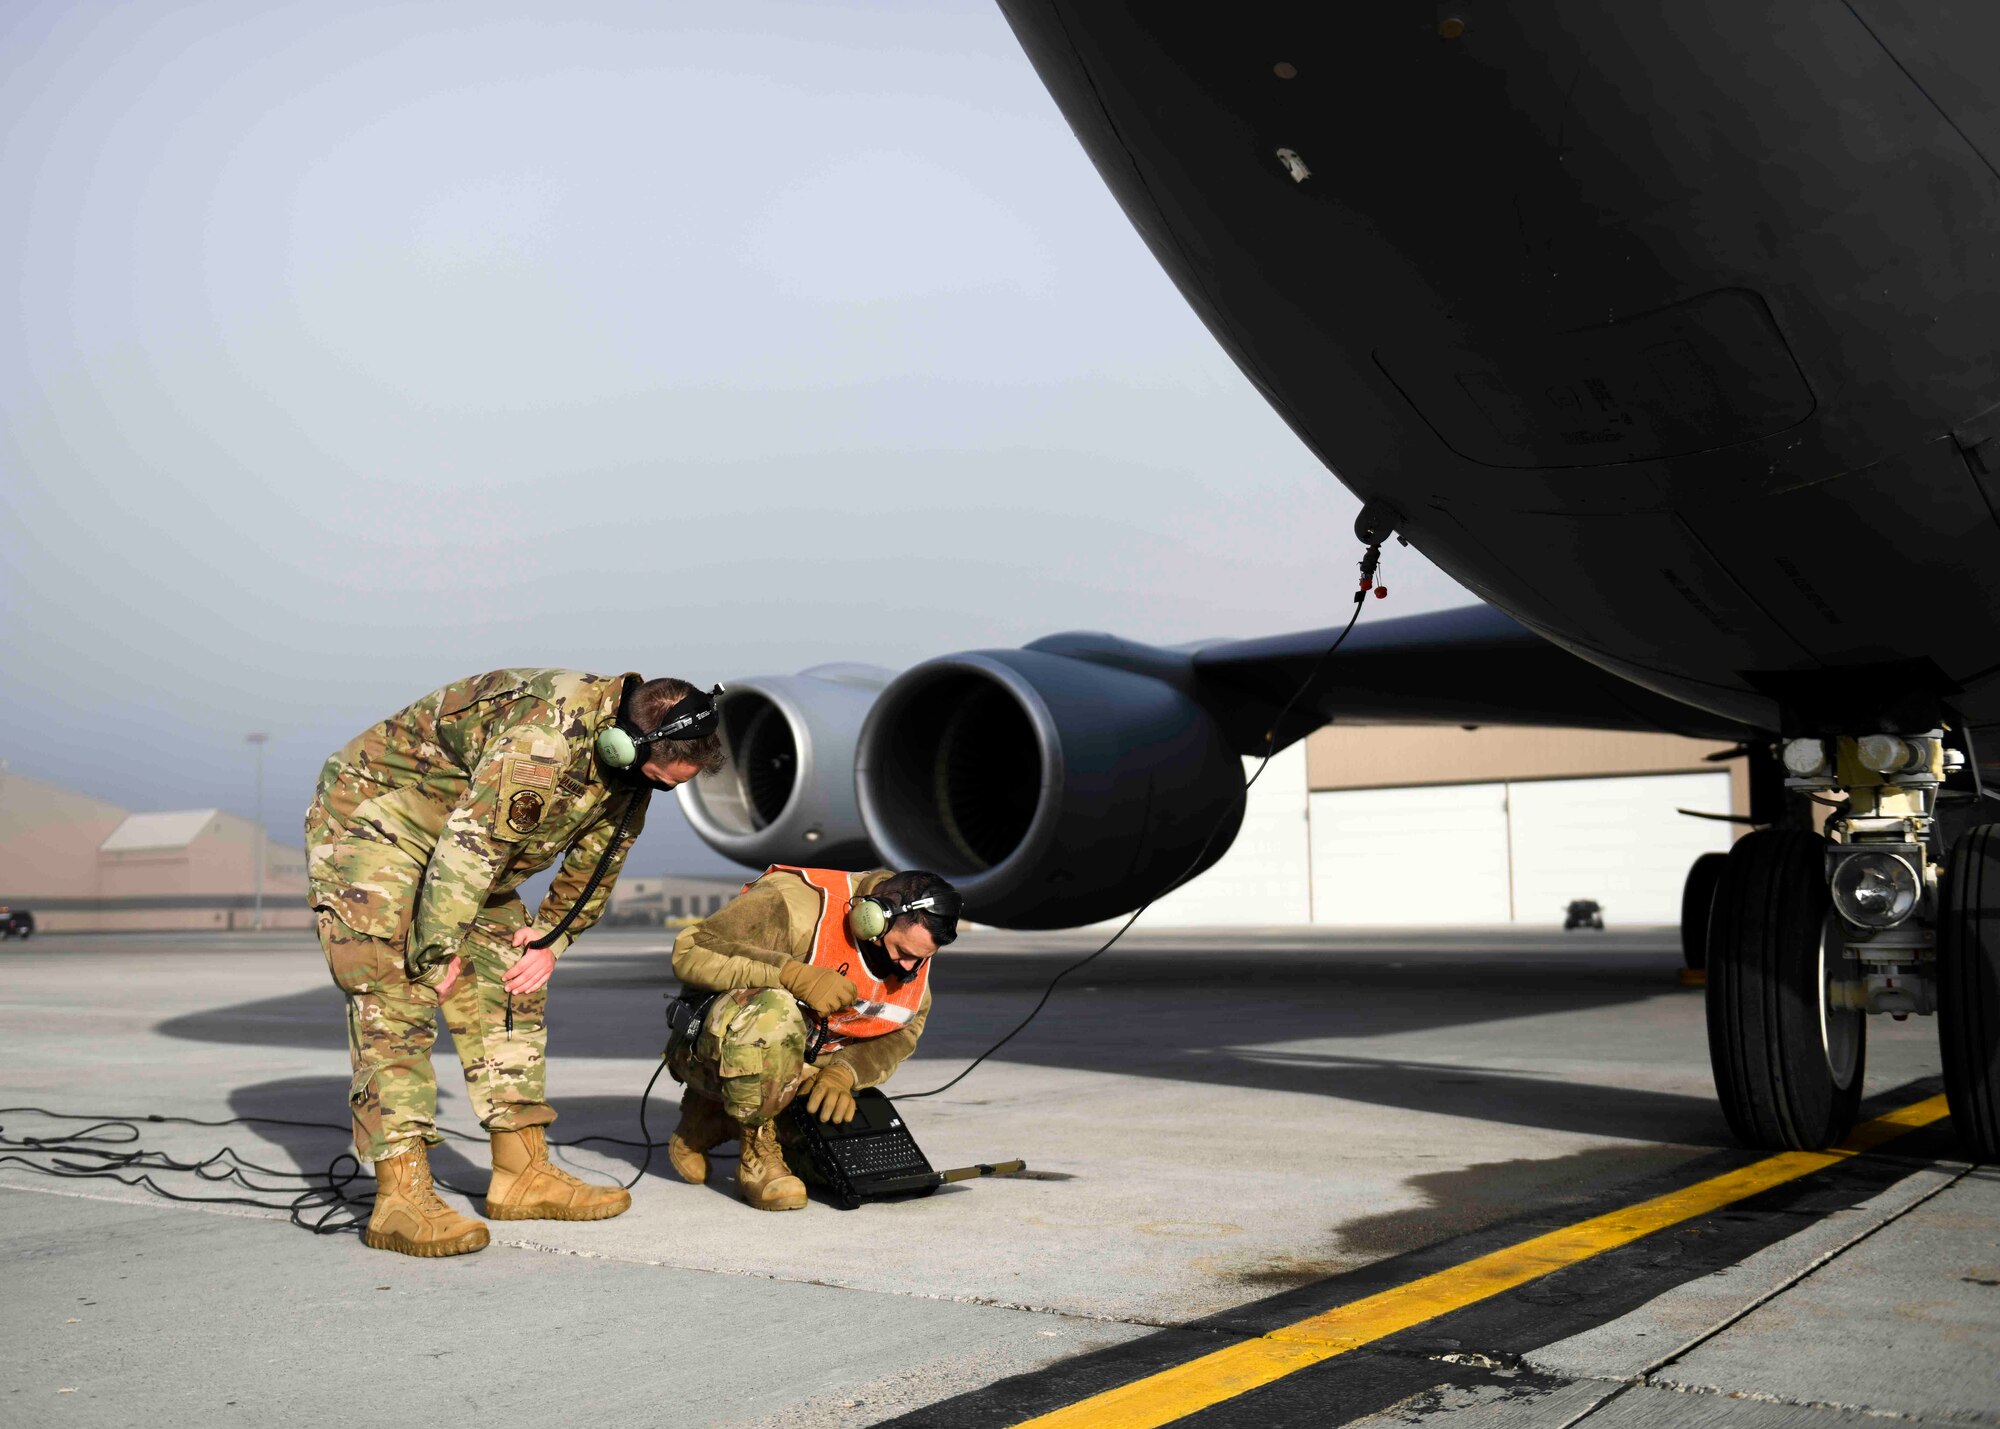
column 830, row 1094
column 451, row 974
column 821, row 989
column 534, row 968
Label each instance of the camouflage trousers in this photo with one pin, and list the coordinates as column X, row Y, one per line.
column 750, row 1054
column 501, row 1039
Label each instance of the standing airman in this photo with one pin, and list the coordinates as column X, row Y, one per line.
column 420, row 832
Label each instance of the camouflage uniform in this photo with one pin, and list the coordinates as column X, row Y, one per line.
column 750, row 1054
column 420, row 831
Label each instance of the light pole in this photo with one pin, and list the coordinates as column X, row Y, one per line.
column 257, row 742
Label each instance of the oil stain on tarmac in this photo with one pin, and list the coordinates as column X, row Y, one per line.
column 1453, row 1203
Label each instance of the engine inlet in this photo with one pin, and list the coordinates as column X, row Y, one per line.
column 960, row 773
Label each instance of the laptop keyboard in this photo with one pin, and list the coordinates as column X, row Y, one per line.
column 888, row 1153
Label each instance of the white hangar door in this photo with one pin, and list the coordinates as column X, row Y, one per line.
column 1430, row 855
column 1618, row 841
column 1499, row 853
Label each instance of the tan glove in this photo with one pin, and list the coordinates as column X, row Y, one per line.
column 823, row 991
column 831, row 1093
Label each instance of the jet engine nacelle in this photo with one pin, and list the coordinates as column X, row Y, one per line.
column 1051, row 791
column 787, row 793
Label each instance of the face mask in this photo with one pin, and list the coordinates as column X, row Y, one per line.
column 880, row 964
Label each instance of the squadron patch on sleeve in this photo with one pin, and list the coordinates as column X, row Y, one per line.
column 524, row 811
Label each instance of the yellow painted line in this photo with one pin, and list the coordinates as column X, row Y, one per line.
column 1244, row 1366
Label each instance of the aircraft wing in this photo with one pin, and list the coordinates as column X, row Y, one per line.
column 1470, row 665
column 1079, row 776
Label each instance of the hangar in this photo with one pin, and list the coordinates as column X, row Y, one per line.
column 82, row 864
column 1498, row 826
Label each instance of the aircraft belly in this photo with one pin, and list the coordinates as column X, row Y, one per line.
column 1844, row 587
column 1947, row 51
column 1713, row 371
column 1640, row 593
column 1592, row 281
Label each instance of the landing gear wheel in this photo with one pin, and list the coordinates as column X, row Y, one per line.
column 1697, row 902
column 1788, row 1067
column 1968, row 991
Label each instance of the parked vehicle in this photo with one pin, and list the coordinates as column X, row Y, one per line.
column 1583, row 913
column 16, row 923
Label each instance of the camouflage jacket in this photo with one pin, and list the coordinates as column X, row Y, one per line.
column 769, row 924
column 444, row 808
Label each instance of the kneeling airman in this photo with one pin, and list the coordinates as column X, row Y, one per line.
column 851, row 950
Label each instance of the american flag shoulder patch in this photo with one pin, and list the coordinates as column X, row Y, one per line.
column 533, row 774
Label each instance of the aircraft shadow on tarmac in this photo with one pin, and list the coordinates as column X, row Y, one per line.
column 1262, row 1023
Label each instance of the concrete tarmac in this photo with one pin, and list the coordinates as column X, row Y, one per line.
column 1210, row 1120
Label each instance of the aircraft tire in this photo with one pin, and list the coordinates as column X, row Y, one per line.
column 1697, row 903
column 1969, row 989
column 1788, row 1068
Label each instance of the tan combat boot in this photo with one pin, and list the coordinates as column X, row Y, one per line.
column 762, row 1178
column 410, row 1218
column 527, row 1186
column 703, row 1127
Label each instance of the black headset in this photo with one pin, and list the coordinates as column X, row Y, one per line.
column 622, row 745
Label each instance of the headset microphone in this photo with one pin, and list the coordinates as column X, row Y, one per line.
column 621, row 745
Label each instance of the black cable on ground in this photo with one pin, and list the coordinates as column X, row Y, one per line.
column 646, row 1136
column 1270, row 748
column 107, row 1149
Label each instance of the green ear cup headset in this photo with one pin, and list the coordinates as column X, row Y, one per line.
column 622, row 746
column 869, row 917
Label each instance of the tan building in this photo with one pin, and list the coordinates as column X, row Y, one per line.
column 83, row 864
column 1399, row 825
column 197, row 869
column 49, row 838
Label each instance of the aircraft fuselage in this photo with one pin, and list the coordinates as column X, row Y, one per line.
column 1668, row 330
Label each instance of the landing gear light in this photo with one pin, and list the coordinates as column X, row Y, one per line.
column 1875, row 889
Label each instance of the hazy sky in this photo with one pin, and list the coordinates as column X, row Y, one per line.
column 353, row 349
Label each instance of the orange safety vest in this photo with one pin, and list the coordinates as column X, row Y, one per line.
column 880, row 1007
